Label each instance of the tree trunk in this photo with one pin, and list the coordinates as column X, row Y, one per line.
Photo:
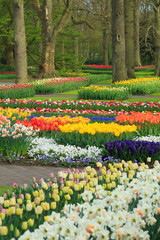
column 49, row 34
column 129, row 36
column 20, row 42
column 157, row 40
column 118, row 42
column 9, row 52
column 47, row 66
column 137, row 60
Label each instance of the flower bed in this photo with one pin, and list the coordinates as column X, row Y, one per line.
column 107, row 67
column 115, row 200
column 96, row 92
column 12, row 135
column 133, row 150
column 59, row 85
column 140, row 85
column 16, row 91
column 97, row 204
column 42, row 87
column 81, row 105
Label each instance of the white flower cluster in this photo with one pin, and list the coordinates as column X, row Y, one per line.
column 16, row 130
column 148, row 138
column 49, row 146
column 42, row 81
column 123, row 215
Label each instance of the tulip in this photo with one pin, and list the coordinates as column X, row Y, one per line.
column 38, row 210
column 53, row 205
column 3, row 230
column 24, row 225
column 16, row 233
column 30, row 222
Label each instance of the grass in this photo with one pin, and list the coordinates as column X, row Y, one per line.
column 140, row 99
column 155, row 94
column 143, row 99
column 3, row 189
column 51, row 98
column 74, row 92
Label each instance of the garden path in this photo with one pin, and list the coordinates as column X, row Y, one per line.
column 24, row 174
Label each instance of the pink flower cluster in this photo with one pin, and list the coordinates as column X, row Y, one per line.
column 15, row 86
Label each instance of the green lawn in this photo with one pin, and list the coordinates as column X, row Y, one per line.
column 3, row 189
column 155, row 94
column 142, row 99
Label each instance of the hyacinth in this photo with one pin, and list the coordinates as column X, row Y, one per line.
column 130, row 149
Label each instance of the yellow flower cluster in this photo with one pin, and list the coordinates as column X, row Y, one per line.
column 102, row 88
column 12, row 113
column 137, row 80
column 65, row 119
column 76, row 74
column 92, row 128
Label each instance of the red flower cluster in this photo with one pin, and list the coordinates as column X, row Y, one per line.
column 13, row 73
column 99, row 66
column 109, row 66
column 140, row 117
column 42, row 124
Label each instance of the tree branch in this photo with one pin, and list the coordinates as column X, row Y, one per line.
column 76, row 22
column 95, row 14
column 65, row 16
column 37, row 8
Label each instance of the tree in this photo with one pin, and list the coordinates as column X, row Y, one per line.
column 6, row 31
column 129, row 36
column 157, row 37
column 19, row 42
column 118, row 42
column 49, row 34
column 106, row 30
column 137, row 60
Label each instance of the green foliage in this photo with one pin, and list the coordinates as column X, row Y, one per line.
column 82, row 140
column 87, row 68
column 59, row 87
column 98, row 72
column 103, row 93
column 17, row 92
column 6, row 68
column 96, row 78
